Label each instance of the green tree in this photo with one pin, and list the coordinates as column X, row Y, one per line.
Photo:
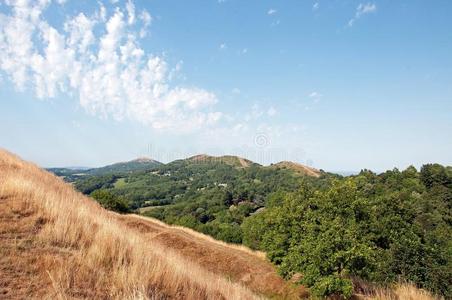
column 110, row 201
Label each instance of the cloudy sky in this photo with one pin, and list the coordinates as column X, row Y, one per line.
column 340, row 85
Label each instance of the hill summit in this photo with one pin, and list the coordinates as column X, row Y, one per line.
column 231, row 160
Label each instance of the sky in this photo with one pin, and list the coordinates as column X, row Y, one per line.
column 337, row 85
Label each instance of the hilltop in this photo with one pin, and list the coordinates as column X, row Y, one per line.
column 139, row 164
column 57, row 243
column 235, row 161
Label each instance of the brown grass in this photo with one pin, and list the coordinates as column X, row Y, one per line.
column 400, row 291
column 404, row 291
column 56, row 243
column 236, row 262
column 207, row 238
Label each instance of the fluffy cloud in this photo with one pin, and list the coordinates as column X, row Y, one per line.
column 271, row 111
column 271, row 11
column 98, row 60
column 315, row 6
column 315, row 96
column 362, row 9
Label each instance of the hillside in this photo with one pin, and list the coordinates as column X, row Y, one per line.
column 296, row 167
column 56, row 243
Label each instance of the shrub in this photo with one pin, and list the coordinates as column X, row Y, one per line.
column 110, row 201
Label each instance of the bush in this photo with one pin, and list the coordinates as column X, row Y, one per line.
column 110, row 201
column 332, row 285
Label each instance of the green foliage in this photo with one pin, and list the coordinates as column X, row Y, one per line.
column 110, row 201
column 381, row 228
column 333, row 285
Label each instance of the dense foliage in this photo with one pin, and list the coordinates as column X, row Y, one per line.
column 382, row 228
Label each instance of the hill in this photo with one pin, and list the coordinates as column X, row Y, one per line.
column 139, row 164
column 71, row 174
column 57, row 243
column 231, row 160
column 296, row 167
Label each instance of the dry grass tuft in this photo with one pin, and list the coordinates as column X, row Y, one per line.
column 84, row 251
column 404, row 291
column 399, row 291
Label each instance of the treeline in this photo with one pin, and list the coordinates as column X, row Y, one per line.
column 380, row 228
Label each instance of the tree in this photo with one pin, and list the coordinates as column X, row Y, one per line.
column 110, row 201
column 321, row 235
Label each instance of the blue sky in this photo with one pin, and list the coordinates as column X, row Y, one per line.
column 339, row 85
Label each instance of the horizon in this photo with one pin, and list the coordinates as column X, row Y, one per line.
column 339, row 86
column 339, row 172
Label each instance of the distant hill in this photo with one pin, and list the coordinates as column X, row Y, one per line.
column 139, row 164
column 298, row 168
column 231, row 160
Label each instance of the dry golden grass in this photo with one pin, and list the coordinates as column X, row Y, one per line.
column 207, row 238
column 85, row 251
column 403, row 291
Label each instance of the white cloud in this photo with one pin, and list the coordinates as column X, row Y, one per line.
column 275, row 23
column 146, row 18
column 271, row 11
column 315, row 95
column 236, row 91
column 109, row 73
column 223, row 46
column 362, row 9
column 130, row 11
column 315, row 6
column 271, row 111
column 255, row 113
